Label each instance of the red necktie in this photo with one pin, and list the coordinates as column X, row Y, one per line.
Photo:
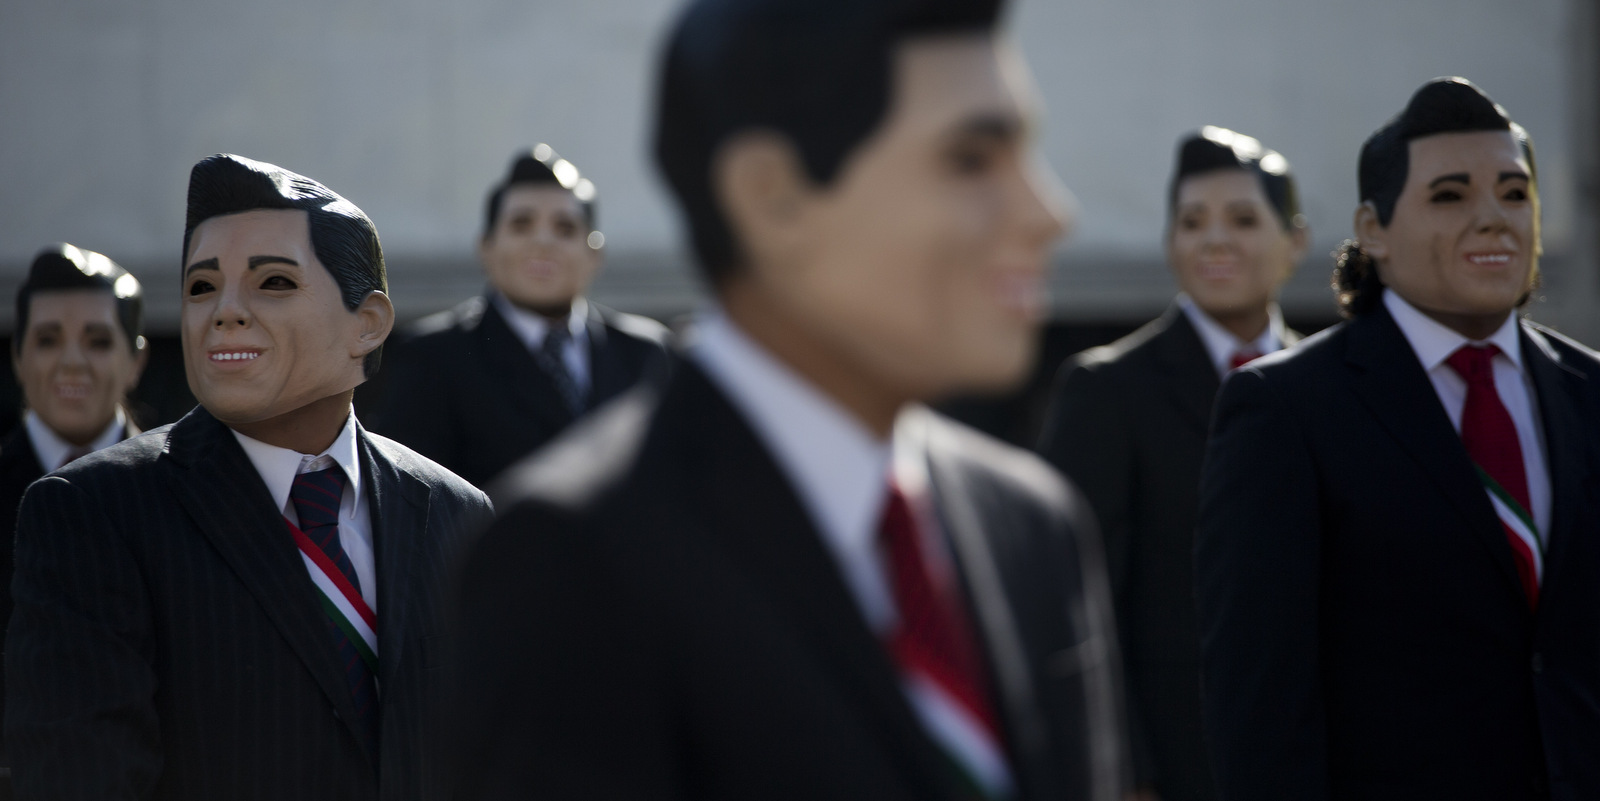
column 934, row 642
column 1491, row 440
column 1243, row 357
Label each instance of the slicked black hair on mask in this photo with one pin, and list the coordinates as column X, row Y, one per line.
column 1441, row 106
column 1211, row 148
column 63, row 268
column 817, row 72
column 535, row 166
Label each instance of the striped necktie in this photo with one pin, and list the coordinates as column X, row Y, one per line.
column 940, row 663
column 351, row 623
column 552, row 359
column 1491, row 440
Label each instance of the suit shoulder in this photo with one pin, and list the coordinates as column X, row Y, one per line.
column 587, row 462
column 635, row 326
column 1022, row 475
column 129, row 454
column 444, row 326
column 1569, row 351
column 1310, row 357
column 424, row 469
column 1130, row 352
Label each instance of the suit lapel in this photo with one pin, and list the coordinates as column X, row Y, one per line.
column 1026, row 734
column 218, row 486
column 399, row 505
column 1192, row 381
column 764, row 528
column 1394, row 388
column 510, row 363
column 608, row 375
column 1568, row 452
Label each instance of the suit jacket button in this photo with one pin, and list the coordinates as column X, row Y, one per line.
column 1538, row 663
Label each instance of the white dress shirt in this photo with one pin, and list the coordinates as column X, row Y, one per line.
column 530, row 327
column 51, row 449
column 1433, row 343
column 1221, row 344
column 841, row 472
column 278, row 467
column 836, row 466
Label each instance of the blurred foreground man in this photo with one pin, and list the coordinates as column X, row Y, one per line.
column 484, row 384
column 1398, row 566
column 242, row 605
column 780, row 576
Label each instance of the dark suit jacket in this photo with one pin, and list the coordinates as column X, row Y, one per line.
column 168, row 642
column 19, row 467
column 463, row 390
column 1365, row 634
column 655, row 618
column 1128, row 425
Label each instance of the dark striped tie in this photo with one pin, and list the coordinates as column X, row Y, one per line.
column 316, row 497
column 550, row 358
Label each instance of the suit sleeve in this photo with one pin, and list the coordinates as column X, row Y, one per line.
column 554, row 675
column 80, row 714
column 1086, row 437
column 415, row 406
column 1257, row 562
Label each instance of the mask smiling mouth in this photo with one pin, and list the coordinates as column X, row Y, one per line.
column 237, row 356
column 1214, row 269
column 72, row 391
column 1490, row 259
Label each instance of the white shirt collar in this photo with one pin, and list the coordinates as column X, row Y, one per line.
column 530, row 327
column 838, row 468
column 50, row 448
column 1434, row 342
column 278, row 466
column 1221, row 344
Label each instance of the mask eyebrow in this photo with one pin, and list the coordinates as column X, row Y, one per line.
column 999, row 127
column 204, row 264
column 1459, row 177
column 1513, row 175
column 257, row 261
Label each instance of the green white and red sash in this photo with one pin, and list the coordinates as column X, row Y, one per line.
column 962, row 725
column 1521, row 531
column 343, row 605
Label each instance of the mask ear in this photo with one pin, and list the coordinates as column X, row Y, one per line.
column 376, row 320
column 1374, row 238
column 141, row 359
column 762, row 188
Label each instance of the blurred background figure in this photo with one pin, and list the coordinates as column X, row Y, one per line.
column 1128, row 424
column 483, row 384
column 78, row 352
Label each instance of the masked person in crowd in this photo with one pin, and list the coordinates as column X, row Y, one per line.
column 243, row 604
column 78, row 351
column 494, row 379
column 1128, row 424
column 1397, row 571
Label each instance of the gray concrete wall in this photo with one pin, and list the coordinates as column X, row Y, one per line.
column 411, row 108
